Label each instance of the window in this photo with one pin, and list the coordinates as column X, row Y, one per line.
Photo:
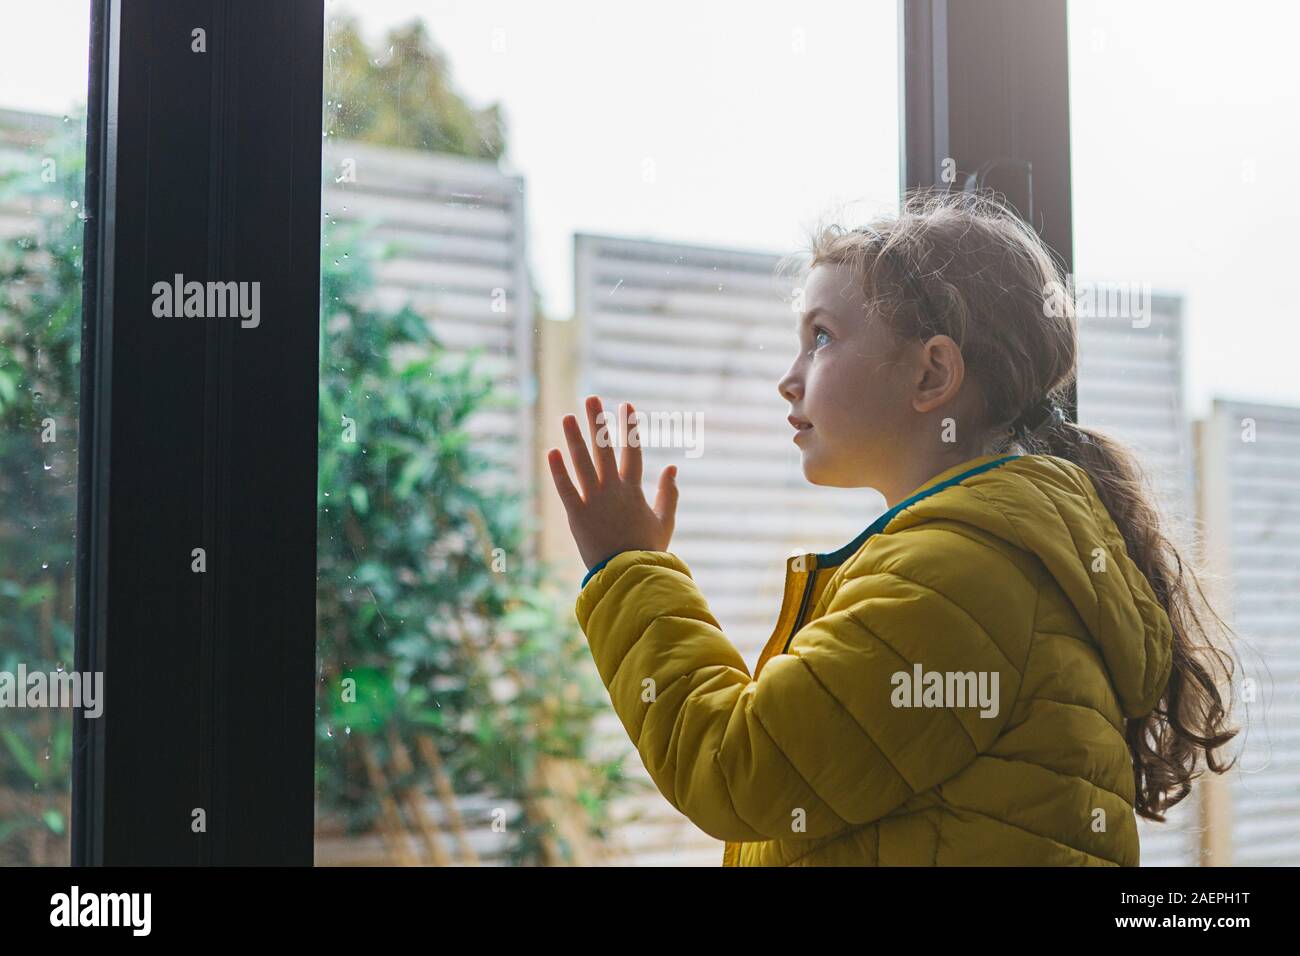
column 43, row 50
column 520, row 210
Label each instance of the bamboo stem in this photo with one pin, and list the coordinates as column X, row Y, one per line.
column 392, row 829
column 429, row 753
column 414, row 801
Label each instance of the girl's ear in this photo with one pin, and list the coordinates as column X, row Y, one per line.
column 941, row 373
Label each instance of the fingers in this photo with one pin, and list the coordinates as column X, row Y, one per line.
column 630, row 467
column 666, row 498
column 606, row 460
column 563, row 483
column 582, row 465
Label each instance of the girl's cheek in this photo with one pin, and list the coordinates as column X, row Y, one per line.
column 818, row 386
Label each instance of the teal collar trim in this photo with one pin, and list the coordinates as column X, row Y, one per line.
column 833, row 559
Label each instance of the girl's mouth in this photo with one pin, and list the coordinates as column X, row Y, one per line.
column 801, row 426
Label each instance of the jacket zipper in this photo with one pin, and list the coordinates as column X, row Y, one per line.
column 803, row 606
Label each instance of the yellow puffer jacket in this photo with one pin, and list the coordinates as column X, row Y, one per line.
column 949, row 688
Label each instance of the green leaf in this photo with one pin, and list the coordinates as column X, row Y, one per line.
column 36, row 595
column 415, row 469
column 26, row 760
column 375, row 703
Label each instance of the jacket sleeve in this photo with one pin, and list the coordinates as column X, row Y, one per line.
column 828, row 737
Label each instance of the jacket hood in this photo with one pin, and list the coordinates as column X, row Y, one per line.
column 1049, row 507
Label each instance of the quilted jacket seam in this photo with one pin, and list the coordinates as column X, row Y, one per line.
column 1034, row 637
column 726, row 786
column 628, row 569
column 1041, row 836
column 1007, row 518
column 1074, row 544
column 911, row 664
column 1067, row 703
column 811, row 789
column 931, row 525
column 866, row 733
column 856, row 828
column 672, row 766
column 921, row 584
column 938, row 835
column 664, row 617
column 1087, row 642
column 1061, row 773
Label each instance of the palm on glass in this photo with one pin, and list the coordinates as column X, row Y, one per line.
column 607, row 509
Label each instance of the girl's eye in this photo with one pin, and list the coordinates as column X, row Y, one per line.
column 820, row 338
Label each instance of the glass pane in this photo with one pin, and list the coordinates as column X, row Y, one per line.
column 43, row 71
column 1182, row 239
column 520, row 210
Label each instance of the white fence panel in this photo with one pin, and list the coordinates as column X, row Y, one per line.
column 1251, row 459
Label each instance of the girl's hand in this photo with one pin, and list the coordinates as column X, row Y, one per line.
column 611, row 514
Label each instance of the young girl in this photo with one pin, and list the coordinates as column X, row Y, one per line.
column 1000, row 669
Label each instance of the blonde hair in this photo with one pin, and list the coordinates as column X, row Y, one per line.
column 965, row 265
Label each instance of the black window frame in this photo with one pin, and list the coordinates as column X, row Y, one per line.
column 199, row 433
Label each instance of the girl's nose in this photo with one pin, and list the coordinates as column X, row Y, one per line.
column 790, row 386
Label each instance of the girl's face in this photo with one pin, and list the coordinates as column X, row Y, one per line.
column 846, row 389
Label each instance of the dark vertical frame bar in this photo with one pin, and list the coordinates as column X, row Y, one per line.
column 199, row 433
column 95, row 394
column 986, row 85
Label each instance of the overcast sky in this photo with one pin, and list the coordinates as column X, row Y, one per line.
column 759, row 116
